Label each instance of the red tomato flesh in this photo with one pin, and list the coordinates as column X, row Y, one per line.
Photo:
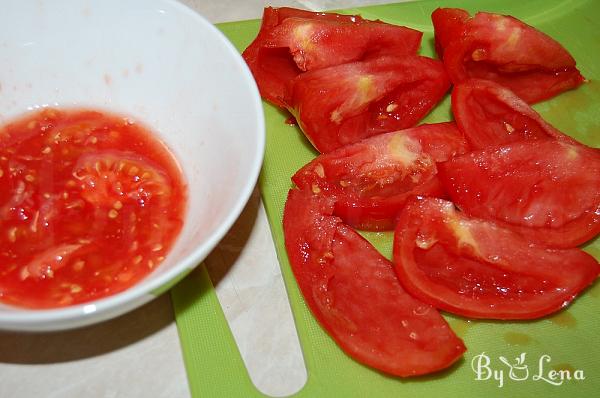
column 489, row 115
column 503, row 49
column 292, row 41
column 477, row 269
column 372, row 179
column 343, row 104
column 353, row 292
column 449, row 23
column 547, row 190
column 90, row 203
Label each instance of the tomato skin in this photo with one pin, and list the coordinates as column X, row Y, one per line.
column 547, row 190
column 343, row 104
column 291, row 41
column 352, row 291
column 489, row 114
column 372, row 179
column 477, row 269
column 506, row 50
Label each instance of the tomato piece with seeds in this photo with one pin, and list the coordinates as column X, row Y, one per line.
column 478, row 269
column 111, row 178
column 547, row 190
column 489, row 114
column 343, row 104
column 292, row 41
column 353, row 292
column 506, row 50
column 372, row 179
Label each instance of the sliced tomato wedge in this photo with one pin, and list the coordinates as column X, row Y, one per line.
column 489, row 114
column 449, row 24
column 343, row 104
column 372, row 179
column 547, row 190
column 506, row 50
column 354, row 294
column 477, row 269
column 292, row 41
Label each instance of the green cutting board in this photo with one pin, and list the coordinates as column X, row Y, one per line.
column 569, row 341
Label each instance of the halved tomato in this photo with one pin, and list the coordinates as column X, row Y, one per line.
column 343, row 104
column 292, row 41
column 353, row 292
column 489, row 114
column 372, row 179
column 506, row 50
column 547, row 190
column 475, row 268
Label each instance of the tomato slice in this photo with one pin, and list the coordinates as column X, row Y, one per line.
column 475, row 268
column 343, row 104
column 353, row 292
column 547, row 190
column 506, row 50
column 449, row 23
column 372, row 179
column 292, row 41
column 489, row 114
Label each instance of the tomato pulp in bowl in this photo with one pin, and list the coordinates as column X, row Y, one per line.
column 164, row 65
column 90, row 203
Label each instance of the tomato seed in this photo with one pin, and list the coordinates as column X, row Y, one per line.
column 113, row 213
column 76, row 288
column 319, row 170
column 478, row 55
column 12, row 234
column 124, row 277
column 391, row 107
column 24, row 274
column 78, row 265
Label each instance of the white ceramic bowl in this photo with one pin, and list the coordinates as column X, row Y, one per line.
column 164, row 65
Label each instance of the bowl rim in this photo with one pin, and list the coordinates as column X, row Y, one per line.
column 54, row 319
